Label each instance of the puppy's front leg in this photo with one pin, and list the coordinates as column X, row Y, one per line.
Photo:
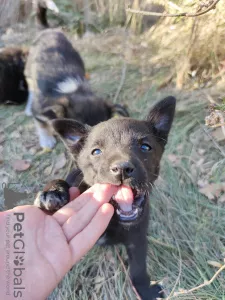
column 137, row 252
column 54, row 196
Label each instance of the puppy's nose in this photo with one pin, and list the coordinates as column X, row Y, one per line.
column 123, row 169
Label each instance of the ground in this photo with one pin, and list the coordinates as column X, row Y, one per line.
column 186, row 231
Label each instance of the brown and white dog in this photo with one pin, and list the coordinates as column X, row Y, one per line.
column 13, row 86
column 58, row 87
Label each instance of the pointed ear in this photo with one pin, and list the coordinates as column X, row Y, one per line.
column 72, row 133
column 161, row 117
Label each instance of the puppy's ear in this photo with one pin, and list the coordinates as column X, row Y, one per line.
column 72, row 133
column 161, row 117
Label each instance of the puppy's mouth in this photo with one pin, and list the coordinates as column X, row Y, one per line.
column 128, row 203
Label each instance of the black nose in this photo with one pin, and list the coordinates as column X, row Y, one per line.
column 123, row 169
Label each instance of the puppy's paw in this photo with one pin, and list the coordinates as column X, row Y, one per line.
column 54, row 196
column 156, row 292
column 47, row 142
column 153, row 292
column 28, row 109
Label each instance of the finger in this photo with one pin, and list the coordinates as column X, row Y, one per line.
column 63, row 214
column 86, row 239
column 80, row 219
column 68, row 210
column 74, row 193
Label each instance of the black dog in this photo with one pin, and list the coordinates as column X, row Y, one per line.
column 126, row 153
column 58, row 87
column 13, row 86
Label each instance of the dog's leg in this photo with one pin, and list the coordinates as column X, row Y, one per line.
column 137, row 252
column 46, row 138
column 54, row 196
column 31, row 96
column 28, row 111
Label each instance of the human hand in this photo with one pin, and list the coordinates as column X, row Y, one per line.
column 52, row 244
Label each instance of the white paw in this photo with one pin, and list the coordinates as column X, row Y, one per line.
column 47, row 141
column 28, row 109
column 28, row 112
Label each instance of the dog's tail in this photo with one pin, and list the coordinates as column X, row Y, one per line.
column 41, row 12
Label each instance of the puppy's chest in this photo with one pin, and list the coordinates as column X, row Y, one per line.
column 115, row 234
column 103, row 240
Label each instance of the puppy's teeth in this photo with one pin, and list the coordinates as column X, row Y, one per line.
column 126, row 207
column 113, row 197
column 118, row 212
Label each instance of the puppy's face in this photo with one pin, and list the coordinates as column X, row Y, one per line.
column 123, row 152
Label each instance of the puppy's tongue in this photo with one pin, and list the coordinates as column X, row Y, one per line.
column 124, row 197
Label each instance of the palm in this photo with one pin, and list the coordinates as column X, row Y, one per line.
column 48, row 256
column 53, row 244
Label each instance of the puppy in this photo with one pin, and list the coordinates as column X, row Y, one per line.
column 58, row 88
column 126, row 153
column 13, row 86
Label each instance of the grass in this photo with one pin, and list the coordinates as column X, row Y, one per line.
column 186, row 229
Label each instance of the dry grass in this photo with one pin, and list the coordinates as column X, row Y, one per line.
column 191, row 50
column 9, row 12
column 191, row 45
column 12, row 11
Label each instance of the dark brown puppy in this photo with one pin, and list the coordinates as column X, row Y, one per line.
column 13, row 86
column 58, row 88
column 125, row 153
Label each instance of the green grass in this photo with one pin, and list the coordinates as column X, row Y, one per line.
column 186, row 229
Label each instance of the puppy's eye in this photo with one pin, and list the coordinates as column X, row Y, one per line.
column 96, row 152
column 145, row 148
